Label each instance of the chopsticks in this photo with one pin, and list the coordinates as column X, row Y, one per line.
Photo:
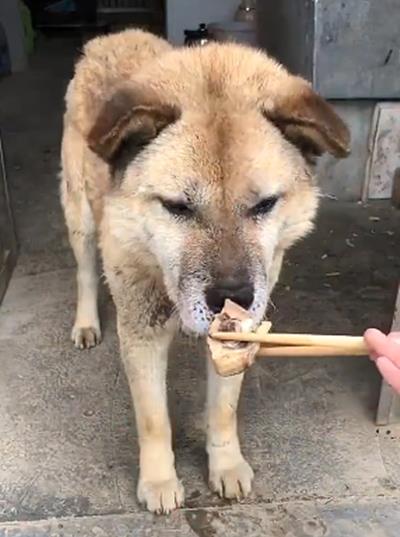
column 281, row 345
column 232, row 348
column 310, row 351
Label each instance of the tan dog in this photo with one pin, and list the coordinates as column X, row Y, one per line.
column 196, row 167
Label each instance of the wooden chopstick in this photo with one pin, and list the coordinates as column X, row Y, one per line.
column 309, row 351
column 352, row 344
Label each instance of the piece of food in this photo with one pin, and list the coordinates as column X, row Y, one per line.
column 233, row 357
column 233, row 343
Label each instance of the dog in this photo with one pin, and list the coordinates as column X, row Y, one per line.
column 193, row 170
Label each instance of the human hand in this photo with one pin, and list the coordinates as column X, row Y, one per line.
column 385, row 351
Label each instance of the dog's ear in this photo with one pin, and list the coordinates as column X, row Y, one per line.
column 308, row 121
column 132, row 112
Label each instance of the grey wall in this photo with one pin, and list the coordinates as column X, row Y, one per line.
column 11, row 21
column 345, row 178
column 285, row 29
column 349, row 49
column 182, row 14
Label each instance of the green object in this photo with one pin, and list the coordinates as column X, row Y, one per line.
column 29, row 33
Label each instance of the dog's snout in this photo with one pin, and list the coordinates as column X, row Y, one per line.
column 239, row 291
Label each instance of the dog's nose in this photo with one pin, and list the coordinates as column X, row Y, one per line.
column 241, row 292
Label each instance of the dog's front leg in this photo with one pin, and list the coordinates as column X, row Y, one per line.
column 145, row 361
column 229, row 473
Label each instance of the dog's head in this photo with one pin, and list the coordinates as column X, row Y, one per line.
column 215, row 148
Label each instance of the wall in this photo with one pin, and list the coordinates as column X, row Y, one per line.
column 11, row 20
column 345, row 178
column 286, row 29
column 188, row 14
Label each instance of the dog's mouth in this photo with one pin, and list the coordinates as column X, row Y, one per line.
column 196, row 316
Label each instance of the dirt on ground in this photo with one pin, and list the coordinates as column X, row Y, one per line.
column 351, row 262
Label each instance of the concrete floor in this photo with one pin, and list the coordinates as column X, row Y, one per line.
column 68, row 454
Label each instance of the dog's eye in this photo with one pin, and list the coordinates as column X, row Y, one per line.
column 264, row 206
column 178, row 208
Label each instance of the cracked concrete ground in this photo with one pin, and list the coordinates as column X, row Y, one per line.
column 68, row 454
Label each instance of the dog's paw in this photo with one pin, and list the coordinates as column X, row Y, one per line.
column 86, row 337
column 232, row 482
column 161, row 497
